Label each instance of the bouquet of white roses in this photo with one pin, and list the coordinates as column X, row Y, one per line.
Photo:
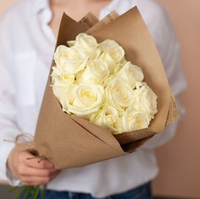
column 94, row 81
column 110, row 105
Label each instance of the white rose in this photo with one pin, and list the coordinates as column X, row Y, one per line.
column 108, row 117
column 87, row 44
column 118, row 94
column 59, row 88
column 131, row 73
column 71, row 60
column 144, row 99
column 60, row 93
column 135, row 120
column 60, row 82
column 112, row 53
column 83, row 100
column 60, row 78
column 95, row 72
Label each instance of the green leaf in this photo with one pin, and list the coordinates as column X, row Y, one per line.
column 28, row 191
column 43, row 192
column 35, row 193
column 20, row 192
column 13, row 189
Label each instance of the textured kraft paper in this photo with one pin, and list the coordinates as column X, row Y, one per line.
column 69, row 141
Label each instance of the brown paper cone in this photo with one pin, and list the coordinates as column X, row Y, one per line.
column 72, row 142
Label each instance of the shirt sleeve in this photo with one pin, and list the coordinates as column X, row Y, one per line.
column 8, row 113
column 162, row 32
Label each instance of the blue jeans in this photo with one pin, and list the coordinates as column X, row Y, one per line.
column 142, row 192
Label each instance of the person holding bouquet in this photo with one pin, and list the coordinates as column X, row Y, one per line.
column 28, row 35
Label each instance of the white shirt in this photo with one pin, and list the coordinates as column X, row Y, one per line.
column 27, row 44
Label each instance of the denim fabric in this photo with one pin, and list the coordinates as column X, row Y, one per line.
column 142, row 192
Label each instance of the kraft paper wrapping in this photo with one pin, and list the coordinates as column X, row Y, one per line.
column 69, row 141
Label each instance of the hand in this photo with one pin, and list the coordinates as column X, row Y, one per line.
column 31, row 172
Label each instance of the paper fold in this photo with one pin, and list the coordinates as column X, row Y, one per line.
column 69, row 141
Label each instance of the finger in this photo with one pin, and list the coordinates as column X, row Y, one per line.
column 34, row 181
column 29, row 171
column 35, row 162
column 39, row 164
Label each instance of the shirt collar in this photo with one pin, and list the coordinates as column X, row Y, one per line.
column 37, row 6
